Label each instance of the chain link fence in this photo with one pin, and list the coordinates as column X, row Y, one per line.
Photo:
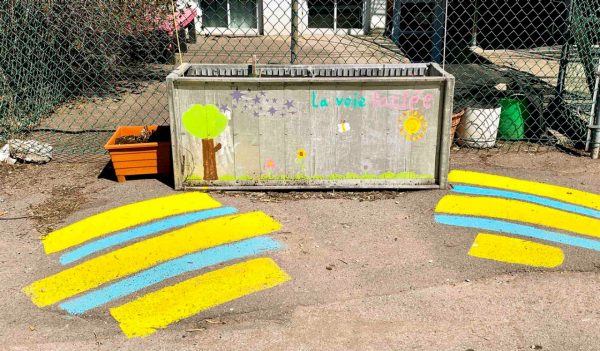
column 72, row 71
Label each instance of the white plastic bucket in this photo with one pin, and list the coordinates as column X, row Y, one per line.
column 479, row 127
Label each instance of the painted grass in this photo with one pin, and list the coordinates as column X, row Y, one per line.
column 335, row 176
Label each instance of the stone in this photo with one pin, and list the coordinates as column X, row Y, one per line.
column 30, row 151
column 5, row 155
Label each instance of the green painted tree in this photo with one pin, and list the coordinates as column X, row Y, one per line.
column 206, row 122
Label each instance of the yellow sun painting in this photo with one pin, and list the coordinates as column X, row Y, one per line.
column 412, row 125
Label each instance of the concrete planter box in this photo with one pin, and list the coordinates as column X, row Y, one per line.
column 319, row 126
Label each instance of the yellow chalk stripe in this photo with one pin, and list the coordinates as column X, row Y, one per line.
column 515, row 210
column 511, row 250
column 560, row 193
column 158, row 309
column 124, row 217
column 147, row 253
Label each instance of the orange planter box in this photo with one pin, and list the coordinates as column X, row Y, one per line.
column 143, row 158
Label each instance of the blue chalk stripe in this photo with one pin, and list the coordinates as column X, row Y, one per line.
column 173, row 268
column 474, row 190
column 145, row 230
column 517, row 229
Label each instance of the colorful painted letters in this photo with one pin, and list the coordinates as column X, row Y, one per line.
column 354, row 101
column 407, row 100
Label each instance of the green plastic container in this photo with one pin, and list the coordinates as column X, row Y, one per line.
column 512, row 119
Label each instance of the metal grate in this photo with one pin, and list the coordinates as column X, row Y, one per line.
column 358, row 71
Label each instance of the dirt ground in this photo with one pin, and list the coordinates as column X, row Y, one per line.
column 370, row 270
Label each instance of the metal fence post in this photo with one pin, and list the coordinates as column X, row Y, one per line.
column 294, row 39
column 564, row 55
column 439, row 31
column 595, row 125
column 475, row 29
column 396, row 22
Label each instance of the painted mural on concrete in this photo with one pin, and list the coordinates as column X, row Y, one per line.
column 521, row 208
column 206, row 123
column 413, row 125
column 285, row 135
column 114, row 255
column 259, row 104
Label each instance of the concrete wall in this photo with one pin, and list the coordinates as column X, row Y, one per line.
column 275, row 18
column 378, row 12
column 373, row 17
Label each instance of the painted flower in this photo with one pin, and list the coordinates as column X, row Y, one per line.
column 270, row 164
column 301, row 154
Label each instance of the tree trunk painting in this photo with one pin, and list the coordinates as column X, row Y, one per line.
column 209, row 159
column 206, row 122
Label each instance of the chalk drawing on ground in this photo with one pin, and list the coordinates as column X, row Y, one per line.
column 513, row 250
column 526, row 209
column 154, row 241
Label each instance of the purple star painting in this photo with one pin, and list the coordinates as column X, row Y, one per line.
column 237, row 95
column 259, row 104
column 224, row 108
